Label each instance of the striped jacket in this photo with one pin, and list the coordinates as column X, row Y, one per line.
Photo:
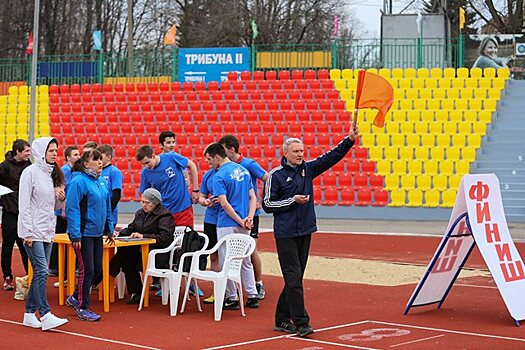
column 284, row 182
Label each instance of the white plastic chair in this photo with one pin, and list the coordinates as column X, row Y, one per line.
column 238, row 247
column 170, row 280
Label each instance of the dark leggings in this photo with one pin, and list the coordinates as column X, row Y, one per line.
column 89, row 259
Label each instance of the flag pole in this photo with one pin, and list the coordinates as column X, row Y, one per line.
column 34, row 62
column 360, row 82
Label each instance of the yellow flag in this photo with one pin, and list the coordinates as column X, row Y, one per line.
column 171, row 36
column 461, row 18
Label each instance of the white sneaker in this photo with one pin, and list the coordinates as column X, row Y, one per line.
column 30, row 320
column 56, row 284
column 50, row 321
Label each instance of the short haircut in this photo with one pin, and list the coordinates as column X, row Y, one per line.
column 90, row 144
column 230, row 141
column 164, row 135
column 19, row 145
column 215, row 149
column 68, row 151
column 143, row 152
column 289, row 141
column 106, row 149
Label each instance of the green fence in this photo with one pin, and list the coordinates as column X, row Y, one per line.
column 161, row 63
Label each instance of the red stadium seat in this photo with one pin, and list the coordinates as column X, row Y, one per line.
column 232, row 76
column 187, row 86
column 288, row 85
column 225, row 85
column 368, row 166
column 360, row 152
column 380, row 198
column 360, row 181
column 347, row 196
column 352, row 166
column 284, row 75
column 329, row 179
column 64, row 89
column 364, row 197
column 54, row 89
column 246, row 75
column 271, row 75
column 345, row 180
column 213, row 86
column 376, row 181
column 323, row 74
column 310, row 74
column 175, row 86
column 153, row 87
column 297, row 74
column 258, row 75
column 331, row 196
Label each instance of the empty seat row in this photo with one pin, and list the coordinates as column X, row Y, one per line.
column 428, row 167
column 411, row 73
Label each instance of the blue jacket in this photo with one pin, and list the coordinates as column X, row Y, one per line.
column 88, row 207
column 284, row 182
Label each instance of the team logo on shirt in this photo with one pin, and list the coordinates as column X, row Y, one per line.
column 170, row 172
column 106, row 178
column 238, row 174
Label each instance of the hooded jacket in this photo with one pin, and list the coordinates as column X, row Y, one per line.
column 10, row 172
column 284, row 182
column 158, row 224
column 88, row 207
column 37, row 200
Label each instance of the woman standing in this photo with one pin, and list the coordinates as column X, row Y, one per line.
column 88, row 214
column 41, row 192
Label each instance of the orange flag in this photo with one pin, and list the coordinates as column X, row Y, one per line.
column 374, row 91
column 171, row 36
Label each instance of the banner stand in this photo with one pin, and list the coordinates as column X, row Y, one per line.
column 477, row 219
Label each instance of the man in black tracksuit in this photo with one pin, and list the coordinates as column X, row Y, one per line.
column 11, row 169
column 288, row 194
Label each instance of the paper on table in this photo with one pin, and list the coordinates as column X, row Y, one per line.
column 5, row 190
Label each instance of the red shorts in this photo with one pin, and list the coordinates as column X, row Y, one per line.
column 184, row 218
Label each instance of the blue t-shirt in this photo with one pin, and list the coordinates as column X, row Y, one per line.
column 234, row 181
column 66, row 169
column 256, row 172
column 168, row 179
column 113, row 177
column 212, row 213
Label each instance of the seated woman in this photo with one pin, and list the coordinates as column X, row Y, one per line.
column 152, row 221
column 488, row 55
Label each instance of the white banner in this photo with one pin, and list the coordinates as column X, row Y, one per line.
column 479, row 201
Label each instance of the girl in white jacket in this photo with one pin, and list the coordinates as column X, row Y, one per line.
column 41, row 192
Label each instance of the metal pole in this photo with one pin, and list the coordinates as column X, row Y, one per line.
column 130, row 38
column 34, row 62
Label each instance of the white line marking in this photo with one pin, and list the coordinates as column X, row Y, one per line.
column 409, row 234
column 417, row 340
column 475, row 286
column 332, row 343
column 451, row 331
column 283, row 336
column 89, row 337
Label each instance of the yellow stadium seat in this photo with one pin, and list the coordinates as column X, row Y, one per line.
column 340, row 85
column 367, row 140
column 447, row 104
column 421, row 153
column 412, row 116
column 413, row 140
column 479, row 128
column 421, row 128
column 397, row 198
column 464, row 127
column 494, row 93
column 498, row 83
column 471, row 83
column 441, row 116
column 467, row 93
column 418, row 83
column 453, row 153
column 335, row 74
column 439, row 93
column 439, row 182
column 436, row 72
column 431, row 83
column 436, row 128
column 455, row 116
column 393, row 127
column 383, row 166
column 405, row 83
column 420, row 104
column 406, row 153
column 489, row 72
column 44, row 129
column 454, row 180
column 425, row 94
column 398, row 140
column 11, row 118
column 12, row 99
column 412, row 94
column 433, row 104
column 474, row 104
column 391, row 153
column 385, row 73
column 415, row 167
column 391, row 181
column 427, row 116
column 431, row 198
column 446, row 167
column 485, row 116
column 10, row 128
column 453, row 93
column 397, row 73
column 423, row 73
column 480, row 93
column 489, row 105
column 13, row 90
column 448, row 198
column 407, row 127
column 503, row 73
column 351, row 84
column 410, row 73
column 474, row 140
column 445, row 83
column 428, row 140
column 375, row 153
column 372, row 70
column 415, row 198
column 437, row 153
column 449, row 73
column 43, row 89
column 463, row 166
column 461, row 103
column 424, row 182
column 408, row 182
column 462, row 72
column 485, row 83
column 476, row 72
column 458, row 140
column 347, row 74
column 399, row 167
column 383, row 140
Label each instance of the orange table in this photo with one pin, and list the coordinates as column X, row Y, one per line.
column 62, row 240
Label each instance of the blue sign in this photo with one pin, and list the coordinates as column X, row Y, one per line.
column 212, row 64
column 67, row 69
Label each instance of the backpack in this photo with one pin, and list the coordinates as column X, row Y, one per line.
column 191, row 242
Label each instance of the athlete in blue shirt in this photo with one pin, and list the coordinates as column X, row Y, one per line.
column 232, row 185
column 165, row 173
column 231, row 145
column 113, row 177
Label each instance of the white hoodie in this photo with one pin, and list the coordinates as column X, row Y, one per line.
column 37, row 200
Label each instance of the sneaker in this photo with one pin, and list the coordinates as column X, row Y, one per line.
column 192, row 291
column 158, row 293
column 30, row 320
column 231, row 304
column 305, row 330
column 252, row 303
column 87, row 315
column 260, row 291
column 135, row 299
column 209, row 300
column 9, row 284
column 73, row 303
column 50, row 321
column 56, row 285
column 285, row 327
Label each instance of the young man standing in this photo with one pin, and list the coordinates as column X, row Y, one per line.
column 167, row 143
column 165, row 174
column 113, row 177
column 231, row 145
column 11, row 169
column 233, row 187
column 289, row 196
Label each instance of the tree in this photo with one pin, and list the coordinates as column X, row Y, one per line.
column 452, row 12
column 507, row 20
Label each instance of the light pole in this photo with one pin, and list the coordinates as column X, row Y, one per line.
column 34, row 62
column 130, row 38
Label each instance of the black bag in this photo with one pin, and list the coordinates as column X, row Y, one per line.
column 191, row 242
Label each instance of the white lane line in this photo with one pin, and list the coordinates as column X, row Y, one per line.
column 90, row 337
column 334, row 344
column 451, row 331
column 283, row 336
column 474, row 286
column 417, row 340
